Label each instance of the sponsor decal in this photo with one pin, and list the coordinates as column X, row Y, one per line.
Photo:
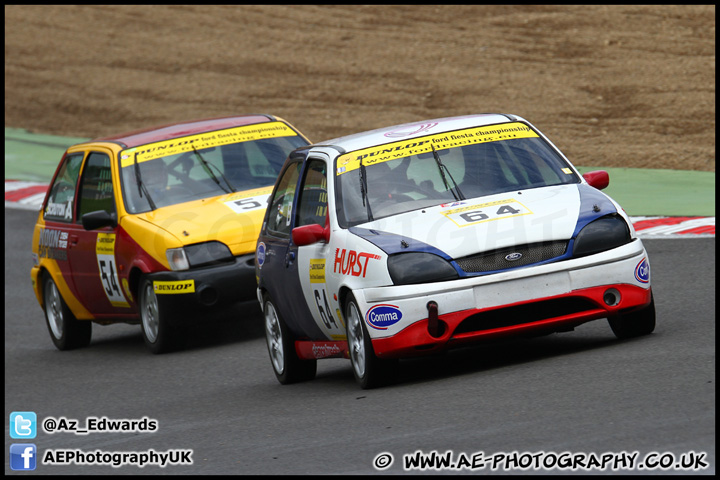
column 248, row 204
column 182, row 286
column 317, row 270
column 52, row 244
column 469, row 136
column 383, row 316
column 411, row 130
column 126, row 288
column 260, row 254
column 324, row 350
column 105, row 253
column 350, row 262
column 61, row 210
column 486, row 212
column 206, row 140
column 453, row 204
column 642, row 271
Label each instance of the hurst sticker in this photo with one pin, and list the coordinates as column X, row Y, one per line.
column 105, row 252
column 174, row 287
column 486, row 212
column 350, row 262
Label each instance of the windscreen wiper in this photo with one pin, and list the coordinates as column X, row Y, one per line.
column 141, row 185
column 443, row 169
column 208, row 170
column 363, row 190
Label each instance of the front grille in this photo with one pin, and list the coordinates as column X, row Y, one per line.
column 498, row 259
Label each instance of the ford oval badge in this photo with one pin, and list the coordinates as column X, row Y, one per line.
column 513, row 256
column 382, row 316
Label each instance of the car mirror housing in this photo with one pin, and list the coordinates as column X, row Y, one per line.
column 99, row 219
column 309, row 234
column 597, row 178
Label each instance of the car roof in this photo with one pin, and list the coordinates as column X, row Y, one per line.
column 407, row 131
column 174, row 130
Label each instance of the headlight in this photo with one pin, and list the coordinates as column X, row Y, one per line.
column 415, row 267
column 198, row 255
column 602, row 234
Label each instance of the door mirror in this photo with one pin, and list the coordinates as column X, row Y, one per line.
column 597, row 178
column 309, row 234
column 98, row 219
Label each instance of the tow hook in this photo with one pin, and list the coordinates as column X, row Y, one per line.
column 434, row 328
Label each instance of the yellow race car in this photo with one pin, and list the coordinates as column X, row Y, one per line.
column 156, row 227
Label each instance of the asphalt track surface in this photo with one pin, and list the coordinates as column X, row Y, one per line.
column 582, row 393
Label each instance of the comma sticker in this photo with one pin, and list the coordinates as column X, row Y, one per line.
column 642, row 271
column 382, row 316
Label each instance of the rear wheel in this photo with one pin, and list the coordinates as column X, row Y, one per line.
column 66, row 331
column 159, row 335
column 288, row 367
column 635, row 324
column 369, row 370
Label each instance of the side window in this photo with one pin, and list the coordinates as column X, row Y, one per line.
column 62, row 192
column 312, row 204
column 280, row 205
column 96, row 190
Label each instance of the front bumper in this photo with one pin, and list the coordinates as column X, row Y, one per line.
column 206, row 289
column 533, row 301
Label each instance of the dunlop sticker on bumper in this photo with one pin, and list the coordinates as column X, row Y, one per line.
column 182, row 286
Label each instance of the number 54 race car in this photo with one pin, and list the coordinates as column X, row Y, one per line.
column 417, row 238
column 157, row 226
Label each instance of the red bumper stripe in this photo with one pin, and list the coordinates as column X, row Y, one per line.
column 474, row 325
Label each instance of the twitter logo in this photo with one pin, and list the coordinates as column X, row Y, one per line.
column 23, row 425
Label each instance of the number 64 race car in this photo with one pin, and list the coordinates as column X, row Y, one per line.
column 417, row 238
column 156, row 227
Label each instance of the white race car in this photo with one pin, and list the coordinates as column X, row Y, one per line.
column 416, row 238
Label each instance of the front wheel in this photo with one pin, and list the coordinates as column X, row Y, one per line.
column 288, row 367
column 66, row 331
column 159, row 335
column 369, row 370
column 635, row 324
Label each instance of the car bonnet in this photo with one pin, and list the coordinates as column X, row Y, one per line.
column 491, row 222
column 232, row 219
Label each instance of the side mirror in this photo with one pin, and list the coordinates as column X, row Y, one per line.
column 597, row 178
column 309, row 234
column 99, row 219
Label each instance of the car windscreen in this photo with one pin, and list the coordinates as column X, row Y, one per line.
column 204, row 165
column 395, row 178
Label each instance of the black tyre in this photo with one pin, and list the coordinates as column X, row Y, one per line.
column 288, row 367
column 369, row 370
column 635, row 324
column 159, row 334
column 66, row 331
